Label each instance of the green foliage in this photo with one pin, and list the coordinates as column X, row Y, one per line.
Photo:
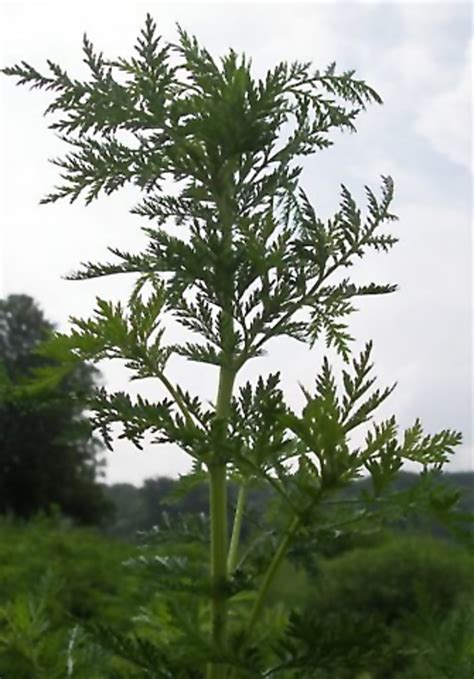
column 411, row 598
column 376, row 611
column 218, row 129
column 54, row 582
column 442, row 642
column 238, row 256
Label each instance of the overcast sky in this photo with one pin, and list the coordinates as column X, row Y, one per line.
column 417, row 55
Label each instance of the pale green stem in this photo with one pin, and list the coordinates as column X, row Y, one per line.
column 218, row 472
column 218, row 509
column 237, row 528
column 272, row 571
column 178, row 399
column 271, row 481
column 275, row 564
column 218, row 516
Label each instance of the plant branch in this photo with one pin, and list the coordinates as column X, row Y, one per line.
column 301, row 301
column 237, row 528
column 272, row 571
column 178, row 399
column 262, row 473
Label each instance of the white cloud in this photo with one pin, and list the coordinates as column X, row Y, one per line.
column 447, row 120
column 416, row 66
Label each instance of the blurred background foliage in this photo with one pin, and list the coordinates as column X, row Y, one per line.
column 393, row 601
column 401, row 607
column 47, row 452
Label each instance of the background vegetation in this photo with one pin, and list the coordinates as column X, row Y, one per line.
column 396, row 605
column 47, row 453
column 390, row 601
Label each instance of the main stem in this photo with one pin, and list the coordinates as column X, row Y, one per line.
column 218, row 508
column 218, row 513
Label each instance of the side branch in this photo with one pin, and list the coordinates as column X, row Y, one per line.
column 178, row 399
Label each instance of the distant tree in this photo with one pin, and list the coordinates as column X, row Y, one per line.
column 47, row 454
column 128, row 516
column 139, row 509
column 22, row 328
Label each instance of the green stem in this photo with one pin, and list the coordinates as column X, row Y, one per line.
column 272, row 571
column 178, row 399
column 271, row 481
column 218, row 516
column 237, row 528
column 218, row 508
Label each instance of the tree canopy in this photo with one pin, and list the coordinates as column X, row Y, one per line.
column 47, row 453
